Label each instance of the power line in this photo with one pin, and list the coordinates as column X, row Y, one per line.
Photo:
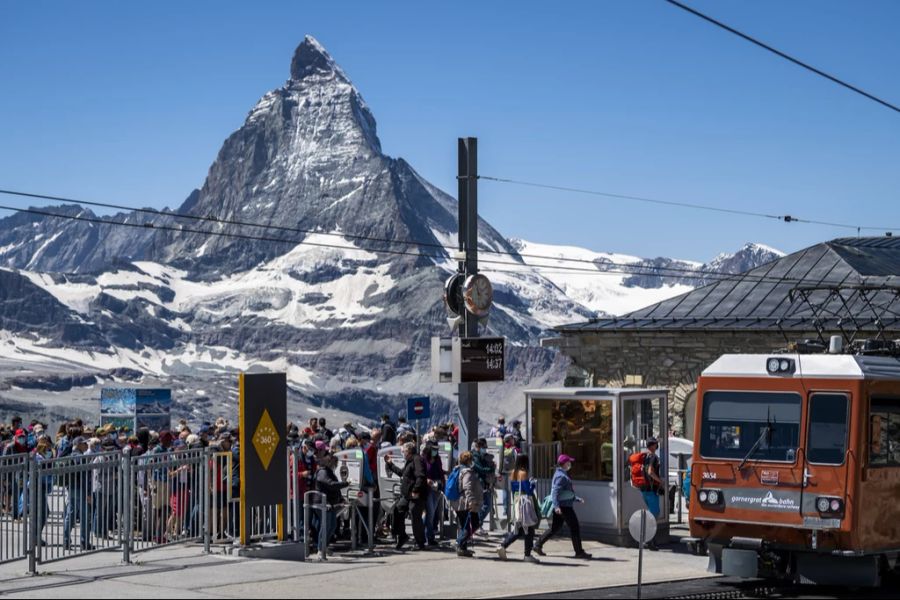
column 785, row 56
column 608, row 268
column 211, row 218
column 218, row 220
column 706, row 207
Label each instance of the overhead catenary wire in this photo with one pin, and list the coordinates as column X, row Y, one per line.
column 685, row 271
column 784, row 55
column 706, row 207
column 608, row 268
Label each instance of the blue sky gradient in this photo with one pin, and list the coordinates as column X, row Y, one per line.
column 129, row 103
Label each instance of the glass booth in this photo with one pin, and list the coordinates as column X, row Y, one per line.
column 600, row 428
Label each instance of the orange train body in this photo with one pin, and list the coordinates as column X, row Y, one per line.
column 778, row 439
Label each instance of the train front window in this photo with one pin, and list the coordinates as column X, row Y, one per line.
column 826, row 440
column 758, row 426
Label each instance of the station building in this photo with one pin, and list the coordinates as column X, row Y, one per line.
column 848, row 287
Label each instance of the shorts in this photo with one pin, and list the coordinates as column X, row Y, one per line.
column 651, row 499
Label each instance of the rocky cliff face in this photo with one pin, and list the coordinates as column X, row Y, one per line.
column 343, row 294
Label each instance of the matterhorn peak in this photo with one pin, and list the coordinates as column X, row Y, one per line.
column 311, row 58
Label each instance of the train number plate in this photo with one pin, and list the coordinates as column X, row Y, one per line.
column 769, row 477
column 820, row 523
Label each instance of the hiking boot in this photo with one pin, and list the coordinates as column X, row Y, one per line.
column 463, row 553
column 539, row 551
column 401, row 541
column 531, row 559
column 583, row 555
column 501, row 553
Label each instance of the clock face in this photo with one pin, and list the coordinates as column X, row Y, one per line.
column 478, row 294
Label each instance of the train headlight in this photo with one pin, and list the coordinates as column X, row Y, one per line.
column 781, row 366
column 703, row 496
column 829, row 506
column 713, row 497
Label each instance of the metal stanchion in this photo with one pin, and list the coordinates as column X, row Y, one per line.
column 371, row 518
column 354, row 507
column 205, row 510
column 32, row 517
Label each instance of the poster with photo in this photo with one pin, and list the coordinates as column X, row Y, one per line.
column 154, row 422
column 153, row 401
column 117, row 401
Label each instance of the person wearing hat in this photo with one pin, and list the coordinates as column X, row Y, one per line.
column 563, row 496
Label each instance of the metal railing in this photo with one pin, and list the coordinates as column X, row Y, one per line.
column 14, row 513
column 52, row 509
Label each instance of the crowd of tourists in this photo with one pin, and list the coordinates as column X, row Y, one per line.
column 171, row 494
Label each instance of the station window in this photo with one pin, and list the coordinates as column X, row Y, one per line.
column 884, row 432
column 584, row 430
column 826, row 440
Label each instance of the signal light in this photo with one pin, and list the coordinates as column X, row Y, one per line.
column 710, row 497
column 780, row 366
column 829, row 506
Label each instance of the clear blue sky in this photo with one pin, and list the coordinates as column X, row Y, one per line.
column 129, row 102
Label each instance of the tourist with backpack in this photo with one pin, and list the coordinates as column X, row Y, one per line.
column 470, row 495
column 645, row 477
column 561, row 502
column 525, row 517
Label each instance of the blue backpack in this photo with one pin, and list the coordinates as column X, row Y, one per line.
column 452, row 490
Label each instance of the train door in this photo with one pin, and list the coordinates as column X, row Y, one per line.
column 825, row 459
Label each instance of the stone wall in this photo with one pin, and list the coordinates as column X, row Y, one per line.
column 670, row 359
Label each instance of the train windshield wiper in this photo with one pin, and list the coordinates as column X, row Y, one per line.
column 766, row 434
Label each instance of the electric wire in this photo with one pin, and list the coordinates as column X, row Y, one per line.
column 605, row 268
column 784, row 55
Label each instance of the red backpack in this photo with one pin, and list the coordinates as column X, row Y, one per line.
column 638, row 477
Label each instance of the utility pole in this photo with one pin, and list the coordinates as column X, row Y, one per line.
column 468, row 243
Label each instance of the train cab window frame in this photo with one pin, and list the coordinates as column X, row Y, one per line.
column 884, row 431
column 725, row 435
column 822, row 426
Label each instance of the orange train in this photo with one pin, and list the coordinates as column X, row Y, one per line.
column 796, row 466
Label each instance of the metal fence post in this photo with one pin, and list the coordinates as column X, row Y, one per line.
column 353, row 524
column 127, row 509
column 306, row 518
column 323, row 526
column 371, row 517
column 207, row 488
column 295, row 482
column 31, row 516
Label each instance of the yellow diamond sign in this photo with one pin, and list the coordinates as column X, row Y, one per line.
column 265, row 439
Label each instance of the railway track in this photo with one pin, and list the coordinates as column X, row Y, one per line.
column 723, row 588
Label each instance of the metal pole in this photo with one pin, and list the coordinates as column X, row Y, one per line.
column 128, row 481
column 323, row 529
column 31, row 516
column 371, row 516
column 353, row 525
column 641, row 551
column 468, row 243
column 296, row 483
column 307, row 514
column 207, row 487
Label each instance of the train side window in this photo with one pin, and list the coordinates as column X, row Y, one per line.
column 826, row 440
column 884, row 432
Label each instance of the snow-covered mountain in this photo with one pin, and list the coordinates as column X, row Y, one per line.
column 335, row 294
